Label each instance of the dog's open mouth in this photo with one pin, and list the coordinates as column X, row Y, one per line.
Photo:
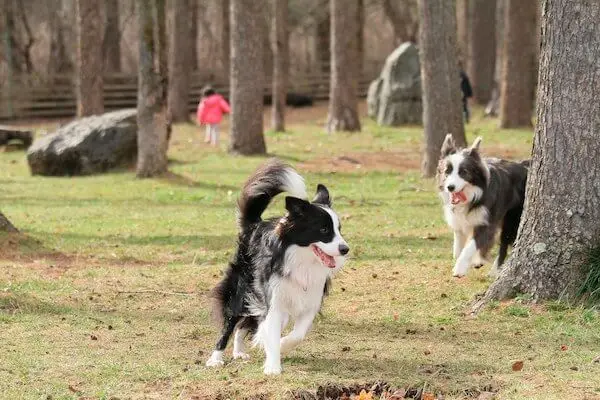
column 325, row 258
column 458, row 197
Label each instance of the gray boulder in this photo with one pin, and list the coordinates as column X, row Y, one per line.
column 86, row 146
column 395, row 97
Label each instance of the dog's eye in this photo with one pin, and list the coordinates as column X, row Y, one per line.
column 449, row 169
column 324, row 230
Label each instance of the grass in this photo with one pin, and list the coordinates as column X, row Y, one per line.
column 105, row 293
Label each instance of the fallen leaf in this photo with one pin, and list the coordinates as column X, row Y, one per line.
column 596, row 360
column 564, row 347
column 427, row 396
column 364, row 395
column 346, row 348
column 396, row 316
column 93, row 337
column 517, row 365
column 486, row 396
column 574, row 368
column 398, row 395
column 74, row 389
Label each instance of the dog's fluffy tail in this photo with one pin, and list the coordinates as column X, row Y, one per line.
column 268, row 181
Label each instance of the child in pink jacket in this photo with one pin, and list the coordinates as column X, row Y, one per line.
column 210, row 112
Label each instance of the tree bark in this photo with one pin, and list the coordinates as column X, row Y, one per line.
column 519, row 71
column 59, row 60
column 482, row 48
column 225, row 39
column 442, row 108
column 343, row 100
column 90, row 86
column 322, row 42
column 462, row 31
column 561, row 220
column 281, row 50
column 152, row 89
column 404, row 20
column 179, row 60
column 6, row 225
column 112, row 37
column 193, row 50
column 247, row 77
column 360, row 39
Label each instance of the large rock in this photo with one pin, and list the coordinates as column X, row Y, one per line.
column 9, row 134
column 395, row 97
column 86, row 146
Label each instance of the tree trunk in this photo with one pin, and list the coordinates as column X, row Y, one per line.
column 281, row 50
column 462, row 31
column 442, row 107
column 59, row 60
column 152, row 89
column 343, row 100
column 482, row 48
column 247, row 77
column 193, row 50
column 89, row 88
column 322, row 42
column 5, row 224
column 519, row 71
column 404, row 20
column 360, row 39
column 561, row 220
column 179, row 62
column 112, row 37
column 225, row 40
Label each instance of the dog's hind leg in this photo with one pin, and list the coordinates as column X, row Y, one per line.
column 459, row 243
column 239, row 348
column 301, row 327
column 510, row 228
column 216, row 358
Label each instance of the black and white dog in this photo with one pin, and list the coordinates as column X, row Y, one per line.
column 480, row 196
column 282, row 267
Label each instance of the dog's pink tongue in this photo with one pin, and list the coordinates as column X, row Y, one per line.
column 458, row 197
column 325, row 258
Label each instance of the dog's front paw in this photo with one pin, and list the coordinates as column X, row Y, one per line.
column 215, row 360
column 240, row 355
column 478, row 265
column 272, row 369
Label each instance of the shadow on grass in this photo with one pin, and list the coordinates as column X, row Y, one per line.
column 182, row 180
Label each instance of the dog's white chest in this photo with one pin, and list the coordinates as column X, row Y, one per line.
column 459, row 218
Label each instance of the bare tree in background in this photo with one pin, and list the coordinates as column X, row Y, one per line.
column 560, row 227
column 403, row 15
column 343, row 100
column 59, row 60
column 225, row 38
column 360, row 38
column 90, row 85
column 179, row 60
column 442, row 109
column 281, row 53
column 482, row 48
column 18, row 36
column 322, row 50
column 193, row 23
column 247, row 77
column 462, row 31
column 112, row 37
column 152, row 89
column 519, row 70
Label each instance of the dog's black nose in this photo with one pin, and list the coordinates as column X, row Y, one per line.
column 344, row 249
column 451, row 188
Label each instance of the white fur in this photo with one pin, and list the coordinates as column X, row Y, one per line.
column 294, row 184
column 333, row 248
column 297, row 295
column 464, row 259
column 216, row 359
column 239, row 348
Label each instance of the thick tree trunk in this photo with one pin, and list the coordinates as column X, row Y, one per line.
column 247, row 77
column 59, row 60
column 343, row 100
column 152, row 89
column 90, row 87
column 462, row 31
column 5, row 225
column 519, row 71
column 360, row 39
column 561, row 221
column 179, row 61
column 322, row 42
column 281, row 51
column 112, row 37
column 482, row 48
column 442, row 107
column 225, row 39
column 193, row 50
column 404, row 20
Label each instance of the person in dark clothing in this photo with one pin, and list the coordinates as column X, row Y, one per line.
column 467, row 91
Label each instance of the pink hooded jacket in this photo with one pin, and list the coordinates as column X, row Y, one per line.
column 211, row 109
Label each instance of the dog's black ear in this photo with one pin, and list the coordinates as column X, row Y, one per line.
column 295, row 205
column 322, row 196
column 448, row 147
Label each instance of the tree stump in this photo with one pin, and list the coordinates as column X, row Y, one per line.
column 11, row 133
